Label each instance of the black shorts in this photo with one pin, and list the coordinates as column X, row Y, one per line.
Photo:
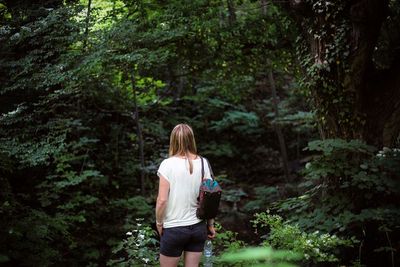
column 174, row 240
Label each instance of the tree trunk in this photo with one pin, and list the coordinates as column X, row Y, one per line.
column 278, row 130
column 353, row 98
column 139, row 135
column 264, row 6
column 231, row 12
column 275, row 102
column 180, row 83
column 87, row 22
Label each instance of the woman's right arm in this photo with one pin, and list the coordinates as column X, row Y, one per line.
column 210, row 227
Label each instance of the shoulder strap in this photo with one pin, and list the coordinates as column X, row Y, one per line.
column 211, row 171
column 202, row 168
column 209, row 167
column 202, row 175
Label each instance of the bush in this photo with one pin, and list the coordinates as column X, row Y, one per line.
column 138, row 248
column 315, row 247
column 225, row 240
column 352, row 189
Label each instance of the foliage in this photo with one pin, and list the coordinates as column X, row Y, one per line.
column 261, row 257
column 233, row 195
column 326, row 66
column 315, row 247
column 71, row 167
column 76, row 86
column 341, row 59
column 139, row 247
column 226, row 240
column 301, row 121
column 264, row 196
column 69, row 145
column 351, row 189
column 241, row 122
column 233, row 252
column 334, row 160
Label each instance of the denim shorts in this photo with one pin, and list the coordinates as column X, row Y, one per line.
column 175, row 240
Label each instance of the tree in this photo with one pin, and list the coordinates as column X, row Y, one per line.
column 350, row 56
column 348, row 49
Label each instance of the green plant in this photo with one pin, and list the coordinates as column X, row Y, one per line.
column 233, row 196
column 264, row 196
column 226, row 240
column 261, row 257
column 138, row 248
column 351, row 189
column 315, row 247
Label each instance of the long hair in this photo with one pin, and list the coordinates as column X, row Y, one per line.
column 182, row 142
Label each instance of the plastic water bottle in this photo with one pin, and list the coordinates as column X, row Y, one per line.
column 208, row 253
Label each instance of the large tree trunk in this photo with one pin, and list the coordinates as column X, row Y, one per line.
column 354, row 99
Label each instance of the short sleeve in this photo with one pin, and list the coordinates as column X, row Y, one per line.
column 164, row 169
column 207, row 173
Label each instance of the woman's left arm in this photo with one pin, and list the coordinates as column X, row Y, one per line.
column 162, row 199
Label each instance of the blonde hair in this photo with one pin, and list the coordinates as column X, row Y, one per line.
column 182, row 142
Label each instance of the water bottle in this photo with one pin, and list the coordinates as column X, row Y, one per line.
column 208, row 253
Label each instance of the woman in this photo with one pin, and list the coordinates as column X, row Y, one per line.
column 180, row 177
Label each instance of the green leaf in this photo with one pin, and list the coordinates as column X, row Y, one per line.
column 259, row 253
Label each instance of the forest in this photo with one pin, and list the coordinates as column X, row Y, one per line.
column 296, row 103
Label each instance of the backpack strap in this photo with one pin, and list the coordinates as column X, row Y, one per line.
column 202, row 168
column 211, row 171
column 202, row 175
column 209, row 167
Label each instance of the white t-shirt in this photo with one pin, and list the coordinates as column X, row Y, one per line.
column 183, row 190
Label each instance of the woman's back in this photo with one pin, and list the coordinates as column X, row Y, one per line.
column 183, row 191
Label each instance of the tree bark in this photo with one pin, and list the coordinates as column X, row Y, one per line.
column 367, row 98
column 139, row 135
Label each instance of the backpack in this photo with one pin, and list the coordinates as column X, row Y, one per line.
column 209, row 195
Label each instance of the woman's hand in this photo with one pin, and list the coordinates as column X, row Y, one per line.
column 159, row 228
column 211, row 231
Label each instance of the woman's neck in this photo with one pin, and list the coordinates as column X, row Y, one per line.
column 190, row 156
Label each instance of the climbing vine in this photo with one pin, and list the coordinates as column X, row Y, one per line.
column 324, row 51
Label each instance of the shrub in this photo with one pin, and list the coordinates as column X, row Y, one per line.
column 138, row 248
column 315, row 247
